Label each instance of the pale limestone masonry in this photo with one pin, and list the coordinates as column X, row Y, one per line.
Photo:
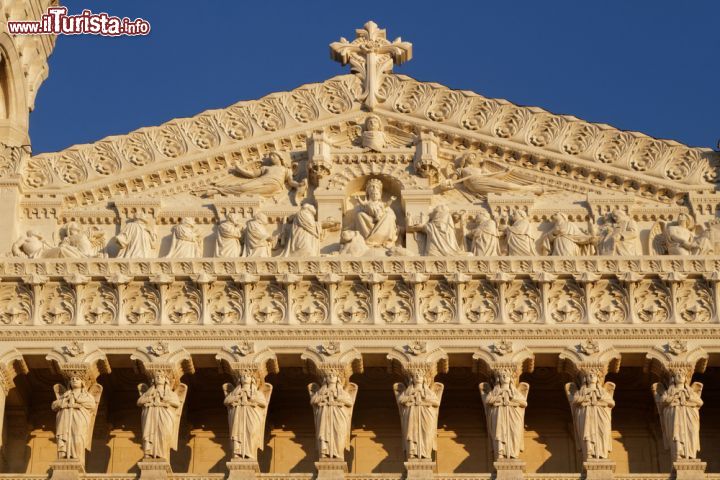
column 366, row 278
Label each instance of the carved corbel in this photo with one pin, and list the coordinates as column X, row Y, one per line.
column 714, row 279
column 678, row 402
column 501, row 281
column 12, row 363
column 426, row 161
column 247, row 399
column 545, row 280
column 162, row 399
column 332, row 399
column 673, row 279
column 76, row 402
column 504, row 400
column 591, row 399
column 418, row 398
column 319, row 156
column 587, row 280
column 331, row 281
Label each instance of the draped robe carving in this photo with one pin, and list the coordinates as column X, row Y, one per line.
column 332, row 408
column 137, row 239
column 161, row 409
column 678, row 404
column 75, row 409
column 505, row 403
column 419, row 405
column 591, row 404
column 247, row 408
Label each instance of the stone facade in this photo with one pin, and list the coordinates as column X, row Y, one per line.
column 370, row 277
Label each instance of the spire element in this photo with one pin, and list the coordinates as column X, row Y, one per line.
column 371, row 55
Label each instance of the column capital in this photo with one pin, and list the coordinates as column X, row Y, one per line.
column 674, row 356
column 589, row 356
column 11, row 364
column 418, row 356
column 246, row 358
column 76, row 359
column 160, row 356
column 503, row 355
column 333, row 358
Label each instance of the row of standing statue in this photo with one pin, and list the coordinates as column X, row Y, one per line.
column 418, row 399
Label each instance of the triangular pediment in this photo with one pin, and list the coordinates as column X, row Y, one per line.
column 559, row 150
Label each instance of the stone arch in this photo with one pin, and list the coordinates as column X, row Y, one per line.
column 14, row 110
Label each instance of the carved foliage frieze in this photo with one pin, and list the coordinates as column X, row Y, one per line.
column 225, row 303
column 142, row 303
column 481, row 302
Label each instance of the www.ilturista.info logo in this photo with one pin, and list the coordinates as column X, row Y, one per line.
column 56, row 21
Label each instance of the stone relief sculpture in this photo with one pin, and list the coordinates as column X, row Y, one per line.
column 31, row 245
column 137, row 239
column 591, row 401
column 332, row 404
column 268, row 181
column 247, row 403
column 161, row 409
column 440, row 233
column 619, row 235
column 375, row 219
column 186, row 240
column 484, row 238
column 520, row 240
column 681, row 237
column 258, row 239
column 678, row 402
column 303, row 237
column 229, row 241
column 566, row 239
column 75, row 408
column 373, row 135
column 505, row 399
column 480, row 176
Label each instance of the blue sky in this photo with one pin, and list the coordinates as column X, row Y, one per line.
column 650, row 66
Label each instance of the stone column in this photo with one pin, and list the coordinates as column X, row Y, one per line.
column 247, row 399
column 332, row 400
column 418, row 398
column 11, row 364
column 591, row 402
column 504, row 398
column 76, row 403
column 162, row 401
column 678, row 402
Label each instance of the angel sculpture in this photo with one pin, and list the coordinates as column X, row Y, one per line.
column 678, row 403
column 591, row 403
column 480, row 176
column 332, row 404
column 419, row 405
column 505, row 400
column 162, row 408
column 76, row 408
column 267, row 181
column 247, row 404
column 682, row 237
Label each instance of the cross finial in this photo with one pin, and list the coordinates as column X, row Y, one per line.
column 371, row 55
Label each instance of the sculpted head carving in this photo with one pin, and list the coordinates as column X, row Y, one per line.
column 276, row 159
column 373, row 124
column 374, row 189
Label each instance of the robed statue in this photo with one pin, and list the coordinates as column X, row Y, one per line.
column 591, row 402
column 505, row 401
column 678, row 403
column 332, row 404
column 376, row 221
column 419, row 405
column 137, row 239
column 247, row 405
column 161, row 410
column 186, row 240
column 76, row 408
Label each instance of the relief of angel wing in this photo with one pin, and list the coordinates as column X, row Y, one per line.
column 181, row 393
column 265, row 390
column 59, row 390
column 95, row 391
column 228, row 388
column 570, row 390
column 352, row 390
column 658, row 390
column 657, row 239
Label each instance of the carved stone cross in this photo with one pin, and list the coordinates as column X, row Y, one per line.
column 371, row 55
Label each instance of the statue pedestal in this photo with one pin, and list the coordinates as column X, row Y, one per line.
column 154, row 469
column 331, row 469
column 419, row 469
column 242, row 469
column 66, row 470
column 689, row 469
column 597, row 469
column 509, row 469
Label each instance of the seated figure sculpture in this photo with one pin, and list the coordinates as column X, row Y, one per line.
column 376, row 220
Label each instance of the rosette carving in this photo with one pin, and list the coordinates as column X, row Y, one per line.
column 301, row 106
column 608, row 302
column 100, row 304
column 612, row 146
column 311, row 303
column 477, row 113
column 510, row 121
column 38, row 173
column 443, row 106
column 225, row 303
column 17, row 304
column 524, row 301
column 184, row 303
column 141, row 303
column 169, row 140
column 71, row 167
column 236, row 122
column 337, row 97
column 544, row 129
column 653, row 301
column 578, row 138
column 103, row 159
column 202, row 132
column 412, row 96
column 57, row 304
column 481, row 301
column 136, row 149
column 680, row 163
column 645, row 154
column 268, row 115
column 352, row 302
column 395, row 301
